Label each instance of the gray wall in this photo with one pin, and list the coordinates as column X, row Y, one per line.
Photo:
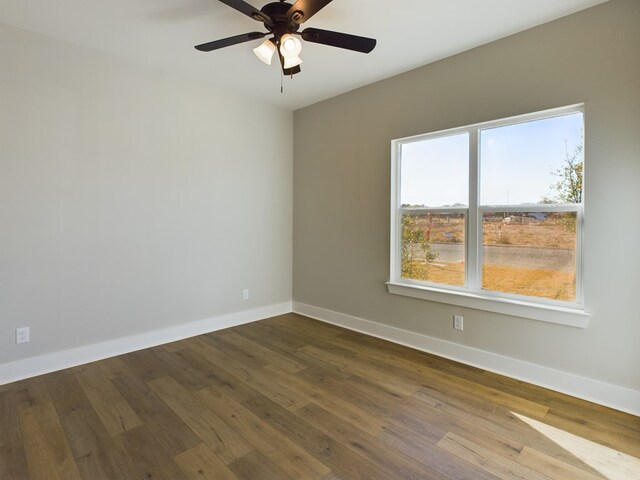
column 341, row 186
column 131, row 201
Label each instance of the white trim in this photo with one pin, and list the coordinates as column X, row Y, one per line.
column 532, row 208
column 500, row 122
column 51, row 362
column 473, row 227
column 572, row 317
column 614, row 396
column 396, row 235
column 434, row 210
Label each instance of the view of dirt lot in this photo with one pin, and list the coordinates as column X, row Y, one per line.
column 527, row 254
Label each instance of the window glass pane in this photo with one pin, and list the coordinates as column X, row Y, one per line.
column 435, row 172
column 433, row 248
column 532, row 162
column 530, row 253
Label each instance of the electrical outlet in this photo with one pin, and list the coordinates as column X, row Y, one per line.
column 22, row 335
column 245, row 294
column 458, row 322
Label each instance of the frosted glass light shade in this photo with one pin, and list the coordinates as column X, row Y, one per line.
column 290, row 46
column 265, row 51
column 292, row 62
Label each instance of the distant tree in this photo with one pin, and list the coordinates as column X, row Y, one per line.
column 568, row 188
column 414, row 240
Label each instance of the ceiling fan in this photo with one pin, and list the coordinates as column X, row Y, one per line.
column 282, row 20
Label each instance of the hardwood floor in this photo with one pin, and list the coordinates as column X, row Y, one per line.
column 292, row 398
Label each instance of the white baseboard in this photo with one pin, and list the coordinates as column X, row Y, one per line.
column 614, row 396
column 51, row 362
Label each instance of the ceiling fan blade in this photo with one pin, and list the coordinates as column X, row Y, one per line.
column 340, row 40
column 227, row 42
column 303, row 10
column 249, row 10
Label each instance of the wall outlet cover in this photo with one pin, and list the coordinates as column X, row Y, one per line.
column 22, row 335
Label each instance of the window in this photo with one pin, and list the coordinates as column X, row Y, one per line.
column 493, row 212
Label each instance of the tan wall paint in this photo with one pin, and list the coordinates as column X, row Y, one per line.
column 131, row 201
column 342, row 172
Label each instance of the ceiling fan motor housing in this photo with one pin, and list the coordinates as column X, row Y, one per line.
column 282, row 23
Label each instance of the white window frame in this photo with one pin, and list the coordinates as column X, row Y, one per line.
column 472, row 295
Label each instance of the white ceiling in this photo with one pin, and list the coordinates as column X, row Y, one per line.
column 161, row 34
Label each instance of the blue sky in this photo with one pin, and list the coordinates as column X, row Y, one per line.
column 516, row 166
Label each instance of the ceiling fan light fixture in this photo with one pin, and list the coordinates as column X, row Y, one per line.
column 292, row 62
column 290, row 46
column 265, row 51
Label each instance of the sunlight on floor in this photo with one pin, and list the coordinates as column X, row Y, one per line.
column 612, row 464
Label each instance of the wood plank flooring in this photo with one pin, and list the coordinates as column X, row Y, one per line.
column 294, row 399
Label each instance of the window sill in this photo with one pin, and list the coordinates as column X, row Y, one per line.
column 545, row 313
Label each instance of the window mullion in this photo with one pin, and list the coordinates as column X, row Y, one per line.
column 473, row 233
